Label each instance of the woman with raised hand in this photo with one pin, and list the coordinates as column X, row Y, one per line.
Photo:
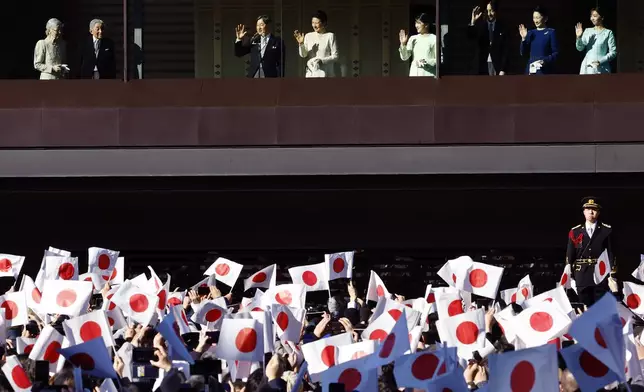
column 599, row 44
column 318, row 47
column 420, row 48
column 539, row 44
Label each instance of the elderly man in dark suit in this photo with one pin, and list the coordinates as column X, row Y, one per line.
column 97, row 59
column 492, row 40
column 266, row 50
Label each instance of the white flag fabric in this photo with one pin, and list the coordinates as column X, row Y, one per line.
column 211, row 315
column 268, row 333
column 92, row 357
column 70, row 298
column 449, row 304
column 46, row 347
column 16, row 375
column 454, row 272
column 117, row 276
column 483, row 279
column 376, row 288
column 540, row 323
column 101, row 261
column 314, row 277
column 89, row 326
column 524, row 289
column 11, row 265
column 59, row 267
column 24, row 345
column 379, row 328
column 97, row 281
column 602, row 267
column 176, row 298
column 633, row 297
column 355, row 351
column 504, row 319
column 339, row 265
column 15, row 309
column 115, row 319
column 414, row 370
column 33, row 296
column 509, row 296
column 293, row 295
column 322, row 354
column 289, row 322
column 566, row 278
column 241, row 340
column 226, row 271
column 453, row 380
column 590, row 373
column 633, row 368
column 465, row 331
column 533, row 369
column 264, row 278
column 395, row 345
column 354, row 375
column 136, row 303
column 638, row 273
column 107, row 386
column 556, row 295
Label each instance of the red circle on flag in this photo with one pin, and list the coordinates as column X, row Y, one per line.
column 602, row 268
column 523, row 377
column 454, row 278
column 51, row 352
column 395, row 313
column 103, row 261
column 478, row 278
column 259, row 277
column 513, row 298
column 174, row 301
column 525, row 292
column 282, row 320
column 378, row 335
column 541, row 321
column 633, row 301
column 222, row 269
column 351, row 378
column 547, row 299
column 90, row 330
column 36, row 295
column 284, row 297
column 5, row 265
column 455, row 307
column 162, row 295
column 380, row 291
column 246, row 340
column 388, row 346
column 623, row 320
column 599, row 338
column 328, row 356
column 29, row 348
column 309, row 278
column 591, row 365
column 66, row 298
column 467, row 332
column 257, row 309
column 425, row 365
column 111, row 321
column 564, row 279
column 184, row 318
column 431, row 298
column 358, row 355
column 20, row 377
column 139, row 303
column 112, row 304
column 338, row 265
column 213, row 315
column 66, row 271
column 11, row 309
column 110, row 277
column 83, row 360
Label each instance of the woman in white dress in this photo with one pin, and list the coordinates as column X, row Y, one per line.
column 420, row 48
column 599, row 44
column 319, row 47
column 50, row 53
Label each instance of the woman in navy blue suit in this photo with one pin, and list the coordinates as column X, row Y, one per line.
column 540, row 44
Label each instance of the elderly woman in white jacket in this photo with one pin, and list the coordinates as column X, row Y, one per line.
column 50, row 53
column 420, row 48
column 319, row 47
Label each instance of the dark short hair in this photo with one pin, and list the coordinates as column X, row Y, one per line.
column 542, row 10
column 265, row 19
column 424, row 19
column 494, row 4
column 321, row 15
column 598, row 10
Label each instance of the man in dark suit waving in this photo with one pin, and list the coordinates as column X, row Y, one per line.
column 491, row 36
column 266, row 50
column 97, row 54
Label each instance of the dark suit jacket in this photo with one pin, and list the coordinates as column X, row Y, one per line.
column 273, row 60
column 580, row 246
column 106, row 60
column 498, row 49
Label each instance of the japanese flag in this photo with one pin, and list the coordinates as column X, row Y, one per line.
column 264, row 318
column 59, row 267
column 24, row 345
column 289, row 322
column 465, row 331
column 101, row 261
column 633, row 296
column 509, row 296
column 92, row 357
column 599, row 331
column 430, row 297
column 453, row 380
column 16, row 375
column 376, row 288
column 633, row 368
column 89, row 326
column 449, row 305
column 293, row 295
column 638, row 273
column 211, row 315
column 379, row 328
column 395, row 345
column 323, row 354
column 162, row 293
column 414, row 370
column 33, row 296
column 386, row 305
column 504, row 319
column 354, row 375
column 590, row 373
column 355, row 351
column 47, row 346
column 339, row 265
column 11, row 265
column 602, row 267
column 314, row 277
column 117, row 276
column 115, row 319
column 70, row 298
column 540, row 323
column 483, row 279
column 176, row 298
column 557, row 296
column 264, row 278
column 136, row 303
column 15, row 309
column 241, row 340
column 97, row 282
column 181, row 319
column 566, row 278
column 169, row 329
column 533, row 369
column 524, row 290
column 226, row 271
column 625, row 316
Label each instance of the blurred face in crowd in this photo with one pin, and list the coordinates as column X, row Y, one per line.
column 97, row 31
column 491, row 13
column 539, row 20
column 591, row 214
column 317, row 25
column 596, row 19
column 421, row 27
column 262, row 28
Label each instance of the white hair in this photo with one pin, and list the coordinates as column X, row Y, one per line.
column 94, row 22
column 52, row 23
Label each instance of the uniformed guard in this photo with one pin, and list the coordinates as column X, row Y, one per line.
column 586, row 242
